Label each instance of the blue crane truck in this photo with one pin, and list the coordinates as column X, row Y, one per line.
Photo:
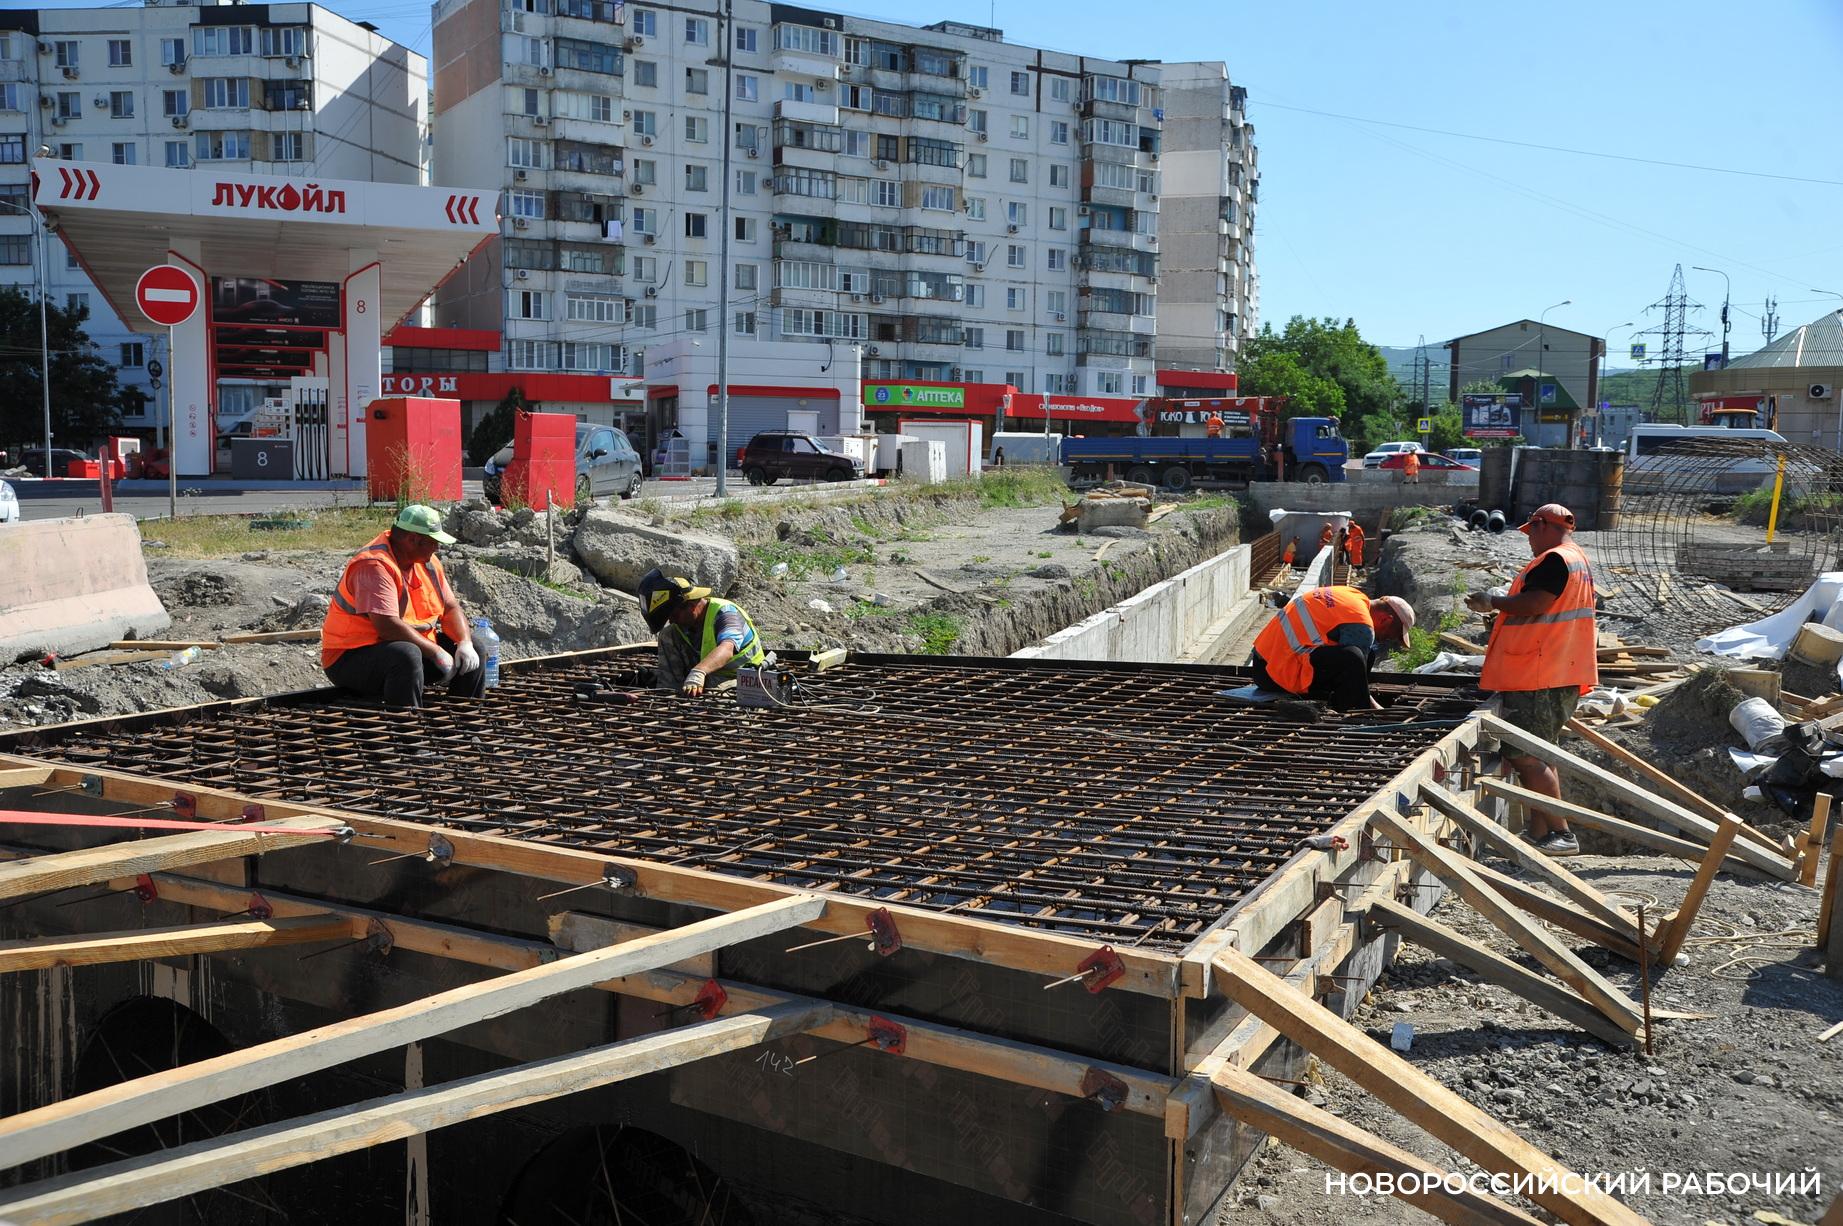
column 1255, row 446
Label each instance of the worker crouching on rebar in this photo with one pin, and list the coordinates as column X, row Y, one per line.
column 1325, row 641
column 394, row 626
column 1543, row 655
column 703, row 639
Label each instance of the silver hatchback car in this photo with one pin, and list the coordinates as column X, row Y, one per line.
column 606, row 463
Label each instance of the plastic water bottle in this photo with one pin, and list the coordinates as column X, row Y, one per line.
column 778, row 570
column 179, row 659
column 486, row 642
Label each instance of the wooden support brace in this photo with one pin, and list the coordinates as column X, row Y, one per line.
column 1494, row 968
column 1345, row 1147
column 1833, row 883
column 173, row 942
column 1593, row 819
column 1814, row 839
column 1678, row 926
column 62, row 869
column 1535, row 940
column 1525, row 855
column 1419, row 1099
column 1656, row 806
column 1687, row 797
column 23, row 776
column 169, row 1174
column 1559, row 912
column 77, row 1121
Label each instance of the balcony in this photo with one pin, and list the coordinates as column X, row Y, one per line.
column 1114, row 197
column 806, row 112
column 1094, row 108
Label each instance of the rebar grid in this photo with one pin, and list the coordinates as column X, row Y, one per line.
column 1130, row 805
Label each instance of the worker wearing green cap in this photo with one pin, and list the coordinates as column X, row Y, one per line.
column 394, row 626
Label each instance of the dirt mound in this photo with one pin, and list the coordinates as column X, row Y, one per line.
column 1695, row 715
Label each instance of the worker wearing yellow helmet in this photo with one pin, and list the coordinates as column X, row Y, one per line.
column 703, row 639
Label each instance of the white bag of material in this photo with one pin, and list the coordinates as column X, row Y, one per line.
column 1452, row 662
column 1756, row 720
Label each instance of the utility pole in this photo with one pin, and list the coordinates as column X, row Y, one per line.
column 1726, row 286
column 724, row 28
column 1542, row 343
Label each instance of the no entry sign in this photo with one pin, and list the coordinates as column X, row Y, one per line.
column 166, row 294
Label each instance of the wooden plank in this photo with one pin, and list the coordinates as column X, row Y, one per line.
column 77, row 1121
column 1593, row 819
column 1684, row 796
column 95, row 658
column 1419, row 1099
column 1559, row 912
column 23, row 777
column 1495, row 968
column 579, row 933
column 1653, row 805
column 165, row 644
column 170, row 1174
column 86, row 866
column 1525, row 855
column 1345, row 1147
column 1018, row 1063
column 276, row 636
column 1685, row 914
column 1814, row 839
column 1534, row 939
column 172, row 942
column 1833, row 883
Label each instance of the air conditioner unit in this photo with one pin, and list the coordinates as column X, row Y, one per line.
column 100, row 101
column 44, row 48
column 1061, row 318
column 1011, row 229
column 635, row 43
column 1154, row 157
column 293, row 61
column 544, row 70
column 872, row 351
column 179, row 121
column 523, row 274
column 880, row 164
column 627, row 116
column 652, row 291
column 973, row 91
column 647, row 141
column 953, row 372
column 1820, row 391
column 520, row 223
column 1081, row 210
column 857, row 297
column 754, row 152
column 638, row 189
column 650, row 239
column 1152, row 197
column 876, row 297
column 70, row 74
column 541, row 121
column 44, row 99
column 984, row 137
column 518, row 176
column 58, row 121
column 177, row 67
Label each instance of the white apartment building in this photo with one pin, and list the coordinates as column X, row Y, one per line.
column 280, row 89
column 961, row 208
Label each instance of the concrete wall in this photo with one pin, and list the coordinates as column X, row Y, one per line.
column 1160, row 624
column 1364, row 500
column 74, row 585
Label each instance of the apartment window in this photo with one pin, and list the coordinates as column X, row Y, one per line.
column 528, row 355
column 746, row 37
column 65, row 53
column 178, row 154
column 697, row 80
column 1141, row 385
column 747, row 276
column 646, row 315
column 70, row 260
column 528, row 304
column 524, row 154
column 745, row 182
column 973, row 376
column 12, row 149
column 121, row 53
column 1020, row 170
column 973, row 338
column 605, row 11
column 1016, row 298
column 122, row 153
column 134, row 354
column 9, row 98
column 697, row 32
column 1053, row 344
column 284, row 40
column 745, row 229
column 1058, row 217
column 1058, row 132
column 856, row 144
column 1058, row 259
column 748, row 88
column 646, row 74
column 1058, row 175
column 1014, row 340
column 593, row 308
column 72, row 151
column 175, row 102
column 938, row 198
column 15, row 249
column 172, row 51
column 928, row 152
column 806, row 38
column 1020, row 127
column 1020, row 84
column 645, row 220
column 975, row 165
column 646, row 123
column 221, row 146
column 77, row 302
column 976, row 121
column 886, row 193
column 646, row 172
column 646, row 269
column 226, row 93
column 1061, row 89
column 975, row 208
column 537, row 52
column 528, row 102
column 697, row 178
column 887, row 148
column 697, row 320
column 745, row 323
column 525, row 204
column 121, row 104
column 697, row 129
column 646, row 22
column 978, row 76
column 586, row 56
column 1017, row 213
column 222, row 40
column 975, row 254
column 1056, row 302
column 70, row 105
column 601, row 108
column 697, row 225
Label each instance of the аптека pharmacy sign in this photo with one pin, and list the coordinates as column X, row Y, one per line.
column 910, row 396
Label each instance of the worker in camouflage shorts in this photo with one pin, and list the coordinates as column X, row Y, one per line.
column 1542, row 655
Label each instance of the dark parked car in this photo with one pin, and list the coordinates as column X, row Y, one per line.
column 800, row 457
column 606, row 463
column 32, row 459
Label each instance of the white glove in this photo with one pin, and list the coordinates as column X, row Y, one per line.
column 694, row 683
column 466, row 657
column 444, row 664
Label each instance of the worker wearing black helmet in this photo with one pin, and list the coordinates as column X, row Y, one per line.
column 703, row 639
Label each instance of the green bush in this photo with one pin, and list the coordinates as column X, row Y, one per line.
column 937, row 631
column 494, row 430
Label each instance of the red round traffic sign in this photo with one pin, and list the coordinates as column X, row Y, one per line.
column 166, row 294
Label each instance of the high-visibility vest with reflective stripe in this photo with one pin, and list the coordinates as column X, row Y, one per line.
column 1306, row 623
column 749, row 654
column 421, row 596
column 1546, row 651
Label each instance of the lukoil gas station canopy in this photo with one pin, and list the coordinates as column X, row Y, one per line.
column 299, row 278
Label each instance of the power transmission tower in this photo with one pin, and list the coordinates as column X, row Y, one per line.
column 1670, row 397
column 1423, row 374
column 1769, row 322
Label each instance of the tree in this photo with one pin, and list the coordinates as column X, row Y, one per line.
column 1278, row 373
column 85, row 394
column 1323, row 351
column 494, row 430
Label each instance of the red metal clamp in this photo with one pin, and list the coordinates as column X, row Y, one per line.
column 710, row 1000
column 1104, row 1088
column 145, row 889
column 1100, row 968
column 884, row 938
column 259, row 908
column 887, row 1036
column 185, row 805
column 251, row 813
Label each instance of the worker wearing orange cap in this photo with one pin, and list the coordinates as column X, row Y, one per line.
column 1411, row 468
column 1322, row 644
column 1541, row 656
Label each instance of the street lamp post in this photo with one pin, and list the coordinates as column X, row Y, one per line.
column 1605, row 347
column 44, row 329
column 1542, row 344
column 1726, row 286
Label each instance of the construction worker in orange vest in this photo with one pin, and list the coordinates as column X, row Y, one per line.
column 1542, row 655
column 1292, row 551
column 1214, row 425
column 1411, row 468
column 394, row 626
column 1328, row 535
column 1353, row 544
column 1323, row 643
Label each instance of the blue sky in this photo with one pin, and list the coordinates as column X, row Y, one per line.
column 1417, row 233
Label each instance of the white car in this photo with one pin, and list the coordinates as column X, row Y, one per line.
column 1467, row 455
column 9, row 504
column 1375, row 458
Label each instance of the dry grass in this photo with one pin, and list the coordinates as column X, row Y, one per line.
column 340, row 530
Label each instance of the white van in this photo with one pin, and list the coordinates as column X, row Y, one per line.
column 1659, row 450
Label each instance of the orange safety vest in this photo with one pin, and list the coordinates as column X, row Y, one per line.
column 1306, row 623
column 1548, row 650
column 1353, row 544
column 420, row 600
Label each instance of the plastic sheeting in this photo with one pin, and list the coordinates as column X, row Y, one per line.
column 1768, row 638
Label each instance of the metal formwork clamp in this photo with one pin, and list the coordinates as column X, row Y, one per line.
column 887, row 1036
column 185, row 806
column 145, row 889
column 260, row 907
column 614, row 876
column 884, row 939
column 251, row 813
column 1094, row 972
column 1102, row 1087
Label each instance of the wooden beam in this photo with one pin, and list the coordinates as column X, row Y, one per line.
column 1420, row 1099
column 165, row 644
column 77, row 1121
column 23, row 776
column 176, row 942
column 62, row 869
column 311, row 635
column 1652, row 804
column 1535, row 940
column 1559, row 912
column 1685, row 915
column 1593, row 819
column 1521, row 853
column 1833, row 884
column 169, row 1174
column 1495, row 968
column 1687, row 797
column 1814, row 839
column 1343, row 1146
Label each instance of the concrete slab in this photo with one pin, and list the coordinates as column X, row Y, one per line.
column 74, row 585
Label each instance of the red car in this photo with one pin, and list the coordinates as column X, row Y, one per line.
column 1431, row 462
